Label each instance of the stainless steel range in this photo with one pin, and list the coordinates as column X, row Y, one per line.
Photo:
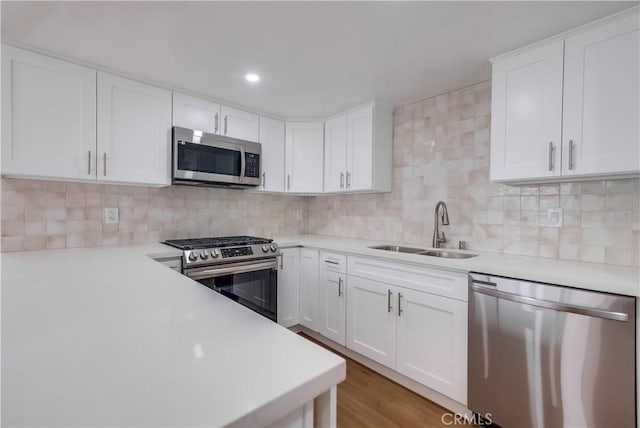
column 242, row 268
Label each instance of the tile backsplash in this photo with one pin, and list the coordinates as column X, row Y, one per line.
column 46, row 214
column 440, row 152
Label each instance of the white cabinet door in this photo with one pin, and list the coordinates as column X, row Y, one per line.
column 526, row 114
column 432, row 342
column 272, row 140
column 304, row 157
column 332, row 306
column 360, row 149
column 601, row 93
column 335, row 154
column 48, row 116
column 195, row 113
column 240, row 124
column 309, row 279
column 134, row 131
column 371, row 320
column 288, row 287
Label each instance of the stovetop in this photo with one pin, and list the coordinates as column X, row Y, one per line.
column 200, row 252
column 216, row 242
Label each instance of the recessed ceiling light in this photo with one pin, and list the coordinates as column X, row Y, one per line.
column 252, row 77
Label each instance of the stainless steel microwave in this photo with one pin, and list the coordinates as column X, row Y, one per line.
column 206, row 159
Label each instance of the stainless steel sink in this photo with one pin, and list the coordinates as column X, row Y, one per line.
column 397, row 249
column 447, row 254
column 423, row 252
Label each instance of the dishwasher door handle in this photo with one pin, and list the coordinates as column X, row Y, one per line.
column 563, row 307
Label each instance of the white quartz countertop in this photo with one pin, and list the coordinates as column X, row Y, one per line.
column 588, row 276
column 110, row 337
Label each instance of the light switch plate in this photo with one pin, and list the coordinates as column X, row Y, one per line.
column 111, row 215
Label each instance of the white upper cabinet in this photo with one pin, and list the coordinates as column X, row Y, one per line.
column 48, row 116
column 569, row 109
column 335, row 154
column 601, row 99
column 239, row 124
column 272, row 141
column 526, row 115
column 195, row 113
column 304, row 157
column 358, row 151
column 134, row 131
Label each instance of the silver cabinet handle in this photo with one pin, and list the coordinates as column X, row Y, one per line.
column 264, row 179
column 570, row 154
column 104, row 164
column 563, row 307
column 281, row 261
column 399, row 303
column 225, row 124
column 331, row 262
column 550, row 156
column 389, row 294
column 341, row 180
column 288, row 182
column 215, row 129
column 340, row 286
column 89, row 164
column 348, row 179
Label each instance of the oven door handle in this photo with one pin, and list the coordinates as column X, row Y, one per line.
column 231, row 270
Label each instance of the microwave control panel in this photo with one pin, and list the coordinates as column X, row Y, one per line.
column 252, row 165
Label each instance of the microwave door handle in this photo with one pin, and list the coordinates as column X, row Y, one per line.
column 242, row 164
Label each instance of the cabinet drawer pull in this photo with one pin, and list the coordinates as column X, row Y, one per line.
column 264, row 179
column 340, row 287
column 89, row 165
column 225, row 124
column 215, row 129
column 342, row 180
column 288, row 182
column 550, row 156
column 104, row 166
column 348, row 179
column 331, row 262
column 389, row 294
column 570, row 154
column 399, row 304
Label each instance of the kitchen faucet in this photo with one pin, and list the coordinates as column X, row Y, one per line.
column 438, row 237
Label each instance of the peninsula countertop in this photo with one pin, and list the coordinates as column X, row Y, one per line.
column 589, row 276
column 110, row 337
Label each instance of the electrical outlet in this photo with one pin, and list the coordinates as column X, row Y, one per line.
column 554, row 217
column 111, row 215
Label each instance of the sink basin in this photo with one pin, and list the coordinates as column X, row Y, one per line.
column 446, row 254
column 397, row 249
column 423, row 252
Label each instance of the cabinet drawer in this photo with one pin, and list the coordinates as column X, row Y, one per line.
column 435, row 281
column 335, row 262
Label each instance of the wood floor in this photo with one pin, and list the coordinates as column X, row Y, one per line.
column 367, row 399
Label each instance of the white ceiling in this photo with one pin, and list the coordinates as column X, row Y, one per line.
column 315, row 58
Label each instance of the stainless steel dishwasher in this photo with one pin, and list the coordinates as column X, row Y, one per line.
column 548, row 356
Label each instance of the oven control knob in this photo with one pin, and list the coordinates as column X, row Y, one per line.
column 265, row 249
column 215, row 253
column 273, row 248
column 193, row 256
column 204, row 255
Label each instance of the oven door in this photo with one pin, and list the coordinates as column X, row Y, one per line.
column 253, row 284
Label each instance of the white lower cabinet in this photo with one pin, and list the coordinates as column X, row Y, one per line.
column 420, row 334
column 309, row 277
column 333, row 305
column 432, row 341
column 371, row 320
column 288, row 287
